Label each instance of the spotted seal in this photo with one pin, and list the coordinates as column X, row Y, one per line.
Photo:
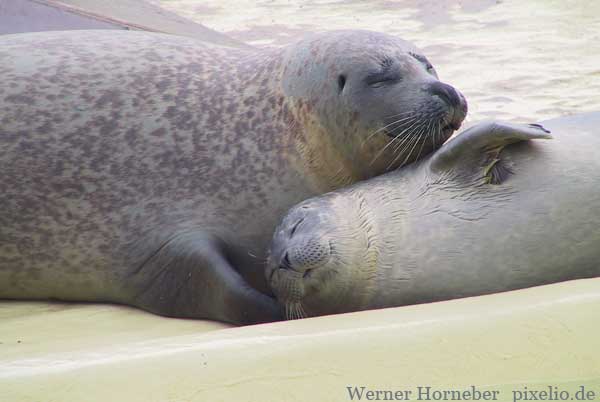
column 151, row 170
column 489, row 211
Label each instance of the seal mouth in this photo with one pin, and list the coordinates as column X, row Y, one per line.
column 289, row 290
column 457, row 117
column 286, row 265
column 453, row 125
column 449, row 129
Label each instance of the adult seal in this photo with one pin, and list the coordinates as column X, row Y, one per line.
column 489, row 211
column 151, row 170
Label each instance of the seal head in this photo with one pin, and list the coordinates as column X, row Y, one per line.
column 374, row 98
column 312, row 266
column 389, row 241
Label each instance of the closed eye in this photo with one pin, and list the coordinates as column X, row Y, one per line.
column 386, row 75
column 378, row 80
column 296, row 227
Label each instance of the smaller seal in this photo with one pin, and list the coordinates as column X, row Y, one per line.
column 490, row 211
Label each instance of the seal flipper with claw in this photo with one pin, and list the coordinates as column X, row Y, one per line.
column 479, row 148
column 189, row 276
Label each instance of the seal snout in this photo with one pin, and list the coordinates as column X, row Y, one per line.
column 299, row 251
column 445, row 92
column 297, row 248
column 306, row 256
column 453, row 99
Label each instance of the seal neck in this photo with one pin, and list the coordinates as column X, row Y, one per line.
column 318, row 158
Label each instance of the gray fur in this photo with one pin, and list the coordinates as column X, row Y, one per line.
column 151, row 170
column 443, row 228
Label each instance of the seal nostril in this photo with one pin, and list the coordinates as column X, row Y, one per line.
column 341, row 82
column 446, row 92
column 286, row 261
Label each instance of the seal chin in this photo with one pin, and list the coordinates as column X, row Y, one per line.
column 289, row 289
column 448, row 130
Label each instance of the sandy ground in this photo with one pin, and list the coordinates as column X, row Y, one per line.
column 513, row 59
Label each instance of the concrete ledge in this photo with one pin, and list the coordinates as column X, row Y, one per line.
column 539, row 337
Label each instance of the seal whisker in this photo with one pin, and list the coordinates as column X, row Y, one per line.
column 407, row 137
column 302, row 311
column 384, row 127
column 297, row 311
column 399, row 154
column 422, row 143
column 431, row 129
column 396, row 137
column 411, row 150
column 424, row 132
column 409, row 117
column 398, row 114
column 410, row 131
column 401, row 146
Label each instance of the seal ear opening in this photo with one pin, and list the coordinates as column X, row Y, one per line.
column 476, row 144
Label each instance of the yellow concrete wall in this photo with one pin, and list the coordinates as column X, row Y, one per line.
column 540, row 337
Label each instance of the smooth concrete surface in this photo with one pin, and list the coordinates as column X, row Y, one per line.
column 535, row 338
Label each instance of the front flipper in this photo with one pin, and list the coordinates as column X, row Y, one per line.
column 189, row 277
column 480, row 147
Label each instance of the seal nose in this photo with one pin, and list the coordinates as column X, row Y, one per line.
column 305, row 257
column 287, row 265
column 446, row 92
column 285, row 261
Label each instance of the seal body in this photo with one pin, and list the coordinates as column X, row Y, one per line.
column 151, row 170
column 490, row 211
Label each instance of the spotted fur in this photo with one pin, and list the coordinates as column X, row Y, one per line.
column 114, row 145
